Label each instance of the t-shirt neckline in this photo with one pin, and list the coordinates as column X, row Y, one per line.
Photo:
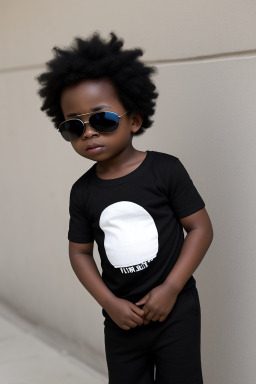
column 125, row 178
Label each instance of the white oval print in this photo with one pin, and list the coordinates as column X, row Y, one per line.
column 131, row 236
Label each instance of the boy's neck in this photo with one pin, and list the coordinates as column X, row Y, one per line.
column 121, row 165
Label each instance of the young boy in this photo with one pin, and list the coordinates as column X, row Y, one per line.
column 134, row 204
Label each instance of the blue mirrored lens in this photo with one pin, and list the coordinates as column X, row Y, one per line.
column 104, row 122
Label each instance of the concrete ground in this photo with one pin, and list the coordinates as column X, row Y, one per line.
column 25, row 359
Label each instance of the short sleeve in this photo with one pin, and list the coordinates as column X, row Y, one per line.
column 80, row 230
column 184, row 197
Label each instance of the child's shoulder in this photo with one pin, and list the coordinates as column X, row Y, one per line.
column 164, row 159
column 84, row 179
column 164, row 167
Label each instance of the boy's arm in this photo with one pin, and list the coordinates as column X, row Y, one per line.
column 124, row 313
column 159, row 302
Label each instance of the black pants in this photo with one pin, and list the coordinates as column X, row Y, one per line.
column 160, row 353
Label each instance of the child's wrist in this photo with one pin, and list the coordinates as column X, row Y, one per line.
column 172, row 286
column 108, row 301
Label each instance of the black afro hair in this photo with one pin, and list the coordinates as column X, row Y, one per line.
column 95, row 58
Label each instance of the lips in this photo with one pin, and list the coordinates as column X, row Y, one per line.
column 94, row 147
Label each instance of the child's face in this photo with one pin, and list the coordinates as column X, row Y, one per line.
column 89, row 96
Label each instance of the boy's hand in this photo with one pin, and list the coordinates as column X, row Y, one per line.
column 124, row 313
column 158, row 303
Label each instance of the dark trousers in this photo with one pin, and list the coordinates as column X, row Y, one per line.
column 158, row 353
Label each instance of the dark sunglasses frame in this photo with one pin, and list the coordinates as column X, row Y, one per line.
column 65, row 123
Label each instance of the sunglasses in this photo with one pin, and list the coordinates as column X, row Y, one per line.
column 102, row 122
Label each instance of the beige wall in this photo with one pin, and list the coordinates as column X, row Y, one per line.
column 206, row 115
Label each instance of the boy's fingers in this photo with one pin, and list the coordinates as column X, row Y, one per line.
column 125, row 327
column 162, row 318
column 132, row 324
column 137, row 319
column 146, row 311
column 143, row 300
column 150, row 316
column 137, row 310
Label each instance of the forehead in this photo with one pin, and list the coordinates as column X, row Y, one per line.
column 88, row 94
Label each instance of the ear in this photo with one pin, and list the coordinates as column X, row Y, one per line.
column 137, row 120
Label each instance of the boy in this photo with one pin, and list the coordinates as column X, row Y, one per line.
column 134, row 204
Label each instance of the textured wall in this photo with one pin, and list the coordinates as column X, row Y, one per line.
column 206, row 116
column 168, row 29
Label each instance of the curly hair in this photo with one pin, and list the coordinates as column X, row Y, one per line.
column 95, row 58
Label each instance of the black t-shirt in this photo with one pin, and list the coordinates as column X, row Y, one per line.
column 134, row 220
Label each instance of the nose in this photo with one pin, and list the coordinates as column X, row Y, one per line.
column 89, row 131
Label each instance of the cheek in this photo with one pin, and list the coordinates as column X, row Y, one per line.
column 123, row 133
column 76, row 147
column 73, row 145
